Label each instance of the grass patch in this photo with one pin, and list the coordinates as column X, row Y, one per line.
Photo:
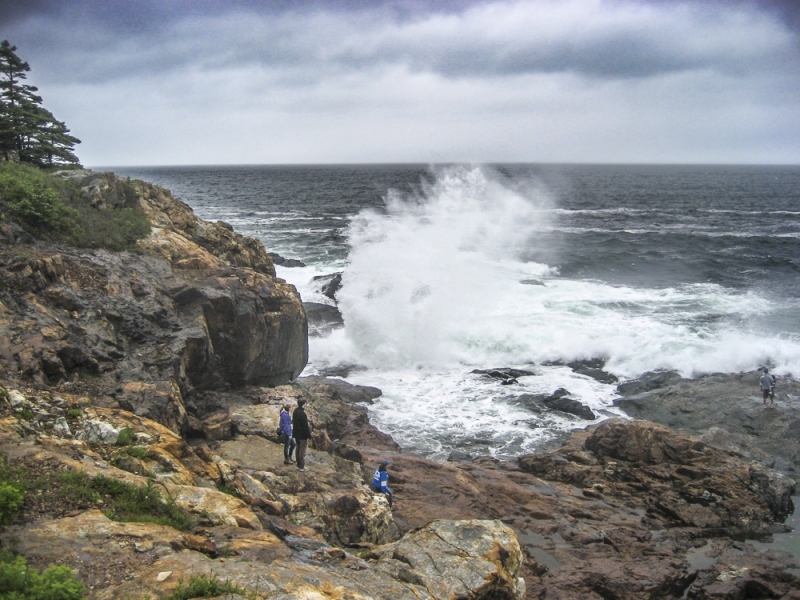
column 204, row 586
column 227, row 488
column 126, row 437
column 140, row 504
column 140, row 452
column 19, row 581
column 57, row 492
column 25, row 413
column 74, row 413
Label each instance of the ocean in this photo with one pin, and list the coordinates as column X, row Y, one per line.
column 451, row 268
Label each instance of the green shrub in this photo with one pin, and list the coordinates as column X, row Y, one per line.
column 111, row 228
column 11, row 500
column 74, row 413
column 126, row 437
column 18, row 581
column 33, row 199
column 204, row 586
column 140, row 452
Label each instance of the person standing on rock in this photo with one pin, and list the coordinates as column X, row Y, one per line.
column 767, row 383
column 380, row 481
column 286, row 432
column 302, row 433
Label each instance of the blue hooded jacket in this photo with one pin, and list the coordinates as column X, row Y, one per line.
column 380, row 481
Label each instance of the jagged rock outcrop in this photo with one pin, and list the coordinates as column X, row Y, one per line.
column 198, row 308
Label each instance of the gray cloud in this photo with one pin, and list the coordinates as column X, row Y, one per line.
column 417, row 80
column 621, row 39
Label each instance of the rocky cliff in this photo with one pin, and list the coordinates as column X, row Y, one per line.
column 166, row 369
column 197, row 308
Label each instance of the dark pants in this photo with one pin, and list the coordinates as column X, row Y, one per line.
column 288, row 446
column 388, row 494
column 300, row 453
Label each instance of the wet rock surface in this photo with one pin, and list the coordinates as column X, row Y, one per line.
column 727, row 411
column 322, row 318
column 558, row 401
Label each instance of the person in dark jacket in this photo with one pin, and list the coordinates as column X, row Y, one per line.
column 302, row 433
column 286, row 434
column 380, row 481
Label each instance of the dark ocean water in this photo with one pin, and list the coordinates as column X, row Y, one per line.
column 449, row 268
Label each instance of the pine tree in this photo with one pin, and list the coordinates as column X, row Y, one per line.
column 29, row 132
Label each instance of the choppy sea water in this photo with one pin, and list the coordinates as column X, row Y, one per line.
column 447, row 269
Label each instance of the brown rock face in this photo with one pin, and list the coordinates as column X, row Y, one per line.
column 625, row 510
column 198, row 309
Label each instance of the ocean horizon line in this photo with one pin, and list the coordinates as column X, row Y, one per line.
column 440, row 164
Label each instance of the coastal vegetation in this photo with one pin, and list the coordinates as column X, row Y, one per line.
column 33, row 144
column 205, row 586
column 49, row 207
column 20, row 581
column 29, row 133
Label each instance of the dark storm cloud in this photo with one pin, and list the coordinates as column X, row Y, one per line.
column 96, row 41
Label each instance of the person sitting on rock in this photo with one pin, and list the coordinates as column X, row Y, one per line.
column 286, row 432
column 380, row 481
column 767, row 383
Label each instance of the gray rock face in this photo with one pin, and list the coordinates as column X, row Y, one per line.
column 649, row 381
column 559, row 401
column 328, row 285
column 731, row 403
column 322, row 318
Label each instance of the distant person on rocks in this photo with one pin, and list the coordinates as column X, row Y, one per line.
column 302, row 433
column 767, row 383
column 286, row 432
column 380, row 481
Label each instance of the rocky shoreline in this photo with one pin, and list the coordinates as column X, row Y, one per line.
column 191, row 345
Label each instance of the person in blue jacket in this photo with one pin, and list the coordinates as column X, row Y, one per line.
column 285, row 426
column 380, row 481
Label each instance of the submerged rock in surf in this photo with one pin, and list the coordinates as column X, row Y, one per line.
column 649, row 381
column 328, row 285
column 503, row 373
column 593, row 368
column 322, row 318
column 285, row 262
column 559, row 401
column 590, row 367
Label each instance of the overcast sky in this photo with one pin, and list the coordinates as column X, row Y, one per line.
column 161, row 82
